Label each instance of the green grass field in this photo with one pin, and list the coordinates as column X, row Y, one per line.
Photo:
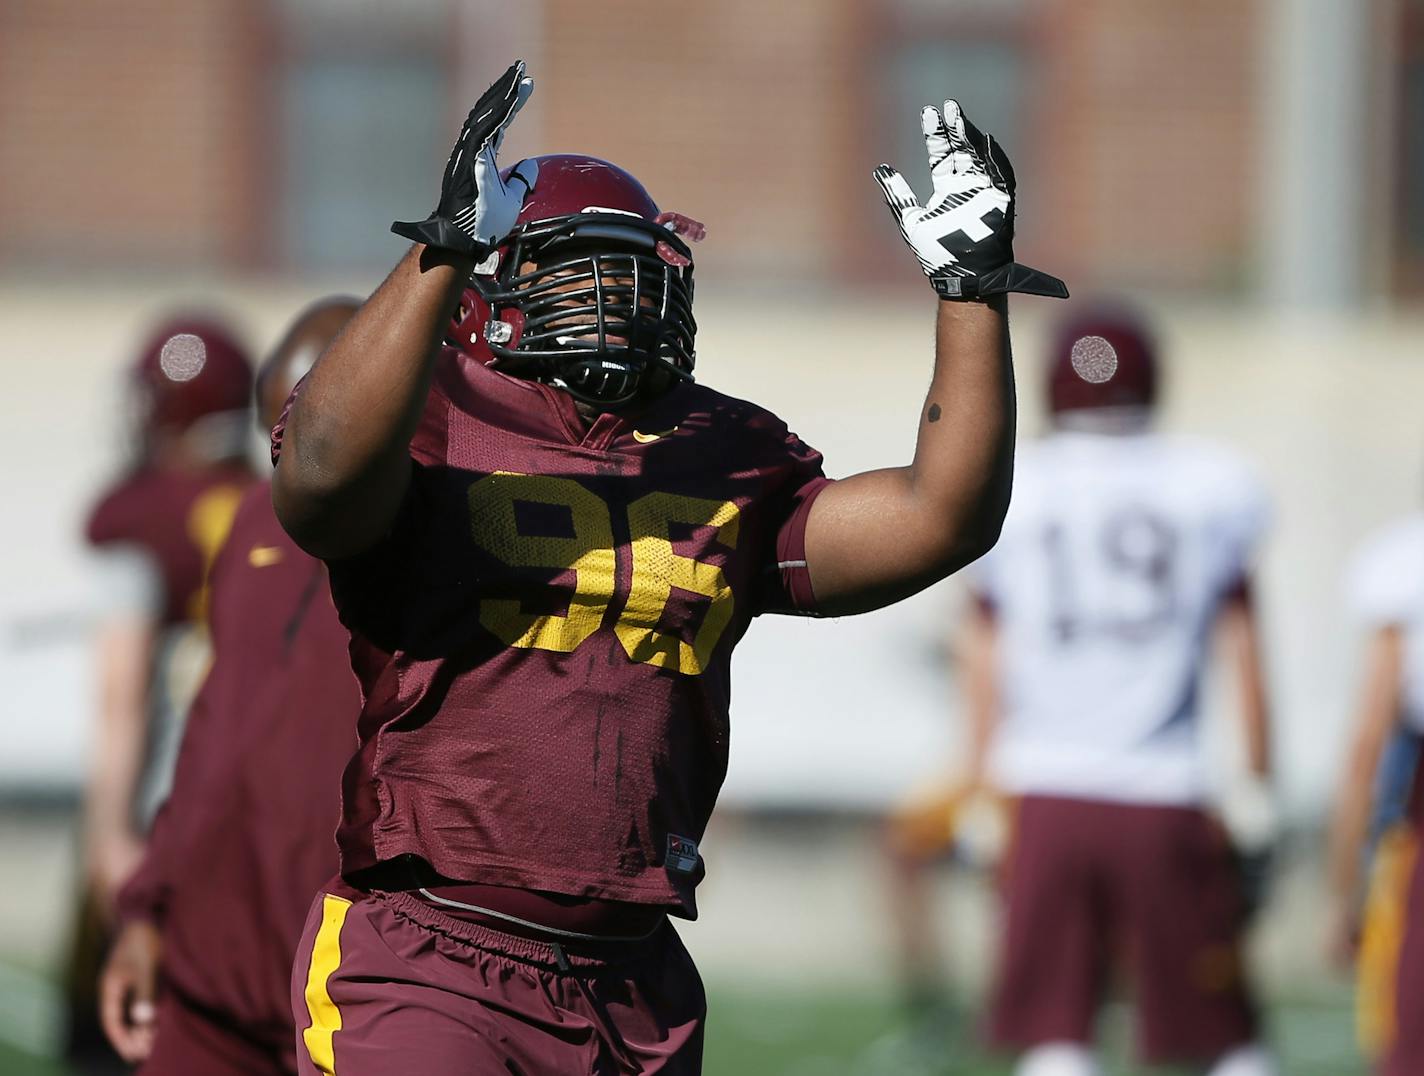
column 829, row 1033
column 840, row 1035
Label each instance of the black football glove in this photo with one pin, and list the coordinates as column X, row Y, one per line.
column 1249, row 814
column 477, row 208
column 964, row 239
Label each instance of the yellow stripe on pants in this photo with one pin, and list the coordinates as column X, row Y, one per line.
column 1382, row 938
column 326, row 957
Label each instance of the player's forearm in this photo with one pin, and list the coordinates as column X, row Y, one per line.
column 1348, row 828
column 1375, row 720
column 124, row 656
column 1349, row 823
column 345, row 454
column 1257, row 724
column 108, row 801
column 947, row 507
column 1244, row 640
column 111, row 842
column 878, row 537
column 957, row 488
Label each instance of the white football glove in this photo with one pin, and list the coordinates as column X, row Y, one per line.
column 964, row 238
column 477, row 206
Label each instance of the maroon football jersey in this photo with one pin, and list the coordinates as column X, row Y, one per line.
column 543, row 639
column 247, row 834
column 179, row 518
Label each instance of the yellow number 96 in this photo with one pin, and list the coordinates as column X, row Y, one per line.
column 587, row 552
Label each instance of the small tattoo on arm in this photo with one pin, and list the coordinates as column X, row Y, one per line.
column 933, row 413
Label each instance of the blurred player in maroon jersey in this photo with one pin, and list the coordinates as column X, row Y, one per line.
column 546, row 540
column 1386, row 589
column 197, row 981
column 1126, row 554
column 154, row 534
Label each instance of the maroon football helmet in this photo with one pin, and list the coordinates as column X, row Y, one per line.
column 1102, row 358
column 189, row 370
column 591, row 291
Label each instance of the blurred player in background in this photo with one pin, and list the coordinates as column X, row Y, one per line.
column 546, row 540
column 1124, row 555
column 197, row 981
column 948, row 822
column 1386, row 588
column 154, row 534
column 1367, row 940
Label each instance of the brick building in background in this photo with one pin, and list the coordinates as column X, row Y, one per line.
column 130, row 133
column 282, row 135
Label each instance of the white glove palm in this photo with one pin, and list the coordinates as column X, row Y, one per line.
column 964, row 237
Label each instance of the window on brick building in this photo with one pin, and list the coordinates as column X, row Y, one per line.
column 987, row 77
column 936, row 47
column 1412, row 161
column 927, row 50
column 358, row 139
column 1408, row 231
column 362, row 108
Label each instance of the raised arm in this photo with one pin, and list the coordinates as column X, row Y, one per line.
column 880, row 536
column 344, row 464
column 345, row 458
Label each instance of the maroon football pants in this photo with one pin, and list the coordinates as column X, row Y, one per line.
column 191, row 1041
column 1091, row 887
column 385, row 983
column 1405, row 1055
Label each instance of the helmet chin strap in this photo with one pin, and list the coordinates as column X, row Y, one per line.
column 632, row 380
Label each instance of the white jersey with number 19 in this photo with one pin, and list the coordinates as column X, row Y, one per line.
column 1115, row 559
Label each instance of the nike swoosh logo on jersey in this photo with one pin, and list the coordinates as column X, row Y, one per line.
column 648, row 438
column 263, row 556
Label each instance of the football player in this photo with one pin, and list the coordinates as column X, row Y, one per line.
column 1125, row 553
column 154, row 534
column 947, row 822
column 545, row 539
column 217, row 904
column 1386, row 585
